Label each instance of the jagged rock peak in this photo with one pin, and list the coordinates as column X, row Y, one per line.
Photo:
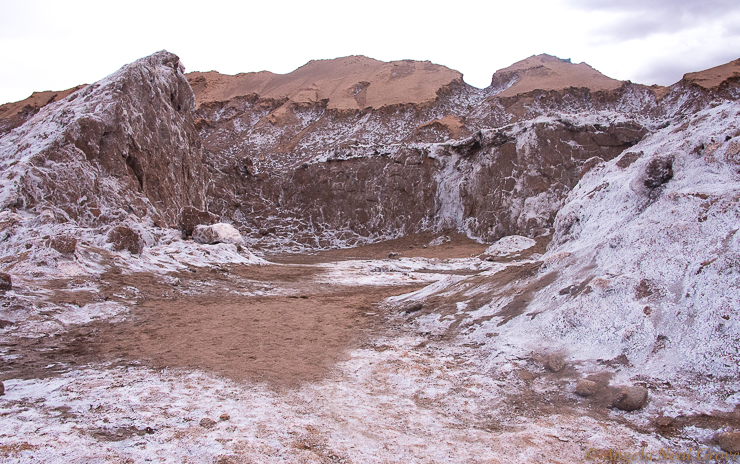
column 713, row 78
column 547, row 72
column 352, row 82
column 125, row 144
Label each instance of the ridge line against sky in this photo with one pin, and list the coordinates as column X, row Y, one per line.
column 46, row 45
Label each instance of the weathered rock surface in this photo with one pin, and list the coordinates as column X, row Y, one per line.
column 328, row 171
column 217, row 233
column 64, row 244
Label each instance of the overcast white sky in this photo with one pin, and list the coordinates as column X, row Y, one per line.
column 54, row 45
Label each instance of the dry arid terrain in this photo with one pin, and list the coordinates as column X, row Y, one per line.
column 364, row 262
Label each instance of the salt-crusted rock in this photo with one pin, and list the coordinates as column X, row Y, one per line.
column 440, row 155
column 631, row 398
column 217, row 233
column 124, row 145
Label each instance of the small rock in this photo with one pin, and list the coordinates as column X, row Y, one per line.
column 149, row 430
column 393, row 254
column 64, row 244
column 224, row 417
column 412, row 308
column 631, row 398
column 585, row 387
column 423, row 246
column 2, row 389
column 555, row 362
column 729, row 442
column 5, row 282
column 207, row 423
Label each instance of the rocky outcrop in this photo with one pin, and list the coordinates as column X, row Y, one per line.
column 124, row 145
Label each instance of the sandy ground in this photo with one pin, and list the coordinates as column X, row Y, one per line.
column 314, row 358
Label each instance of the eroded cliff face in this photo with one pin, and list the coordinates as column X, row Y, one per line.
column 326, row 171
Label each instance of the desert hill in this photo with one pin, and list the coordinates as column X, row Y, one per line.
column 353, row 82
column 713, row 78
column 546, row 72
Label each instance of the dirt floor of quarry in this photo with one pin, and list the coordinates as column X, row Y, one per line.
column 305, row 360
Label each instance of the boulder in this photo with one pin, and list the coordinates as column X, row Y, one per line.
column 585, row 387
column 729, row 442
column 631, row 398
column 190, row 217
column 217, row 233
